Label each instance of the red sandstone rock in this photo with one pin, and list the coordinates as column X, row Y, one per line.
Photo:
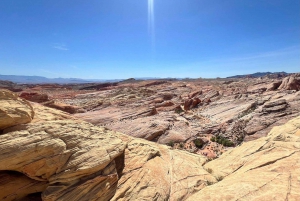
column 195, row 93
column 64, row 107
column 35, row 97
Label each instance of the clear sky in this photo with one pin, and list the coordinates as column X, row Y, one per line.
column 108, row 39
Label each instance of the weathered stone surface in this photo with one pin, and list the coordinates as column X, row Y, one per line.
column 43, row 113
column 164, row 104
column 264, row 169
column 148, row 128
column 64, row 107
column 69, row 159
column 15, row 186
column 275, row 103
column 109, row 115
column 274, row 85
column 211, row 94
column 224, row 103
column 291, row 82
column 13, row 110
column 195, row 93
column 226, row 110
column 155, row 172
column 34, row 97
column 257, row 124
column 258, row 88
column 76, row 159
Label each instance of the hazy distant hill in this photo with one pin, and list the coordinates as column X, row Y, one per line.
column 259, row 74
column 21, row 79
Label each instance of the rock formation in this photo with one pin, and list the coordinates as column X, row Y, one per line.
column 71, row 109
column 291, row 82
column 35, row 97
column 13, row 110
column 71, row 157
column 264, row 169
column 57, row 157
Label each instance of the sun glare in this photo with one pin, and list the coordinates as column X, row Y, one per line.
column 151, row 20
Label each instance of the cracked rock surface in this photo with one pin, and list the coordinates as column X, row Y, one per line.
column 13, row 110
column 70, row 156
column 265, row 169
column 156, row 172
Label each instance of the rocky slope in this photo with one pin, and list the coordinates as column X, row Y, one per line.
column 57, row 157
column 179, row 112
column 264, row 169
column 67, row 159
column 218, row 113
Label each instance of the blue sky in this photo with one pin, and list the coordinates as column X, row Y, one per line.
column 108, row 39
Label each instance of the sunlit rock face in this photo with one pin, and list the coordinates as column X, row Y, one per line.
column 59, row 157
column 291, row 82
column 13, row 110
column 265, row 169
column 179, row 112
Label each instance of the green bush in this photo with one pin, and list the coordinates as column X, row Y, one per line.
column 223, row 141
column 178, row 110
column 171, row 144
column 208, row 183
column 198, row 143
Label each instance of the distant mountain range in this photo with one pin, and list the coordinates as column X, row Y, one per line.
column 22, row 79
column 260, row 74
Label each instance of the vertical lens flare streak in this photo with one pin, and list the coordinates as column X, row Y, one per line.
column 151, row 21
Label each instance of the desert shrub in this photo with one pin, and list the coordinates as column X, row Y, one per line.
column 181, row 145
column 198, row 143
column 223, row 141
column 171, row 144
column 208, row 183
column 178, row 110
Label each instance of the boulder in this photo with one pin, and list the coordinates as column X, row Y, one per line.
column 195, row 102
column 274, row 85
column 77, row 160
column 13, row 110
column 291, row 82
column 191, row 103
column 156, row 172
column 187, row 104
